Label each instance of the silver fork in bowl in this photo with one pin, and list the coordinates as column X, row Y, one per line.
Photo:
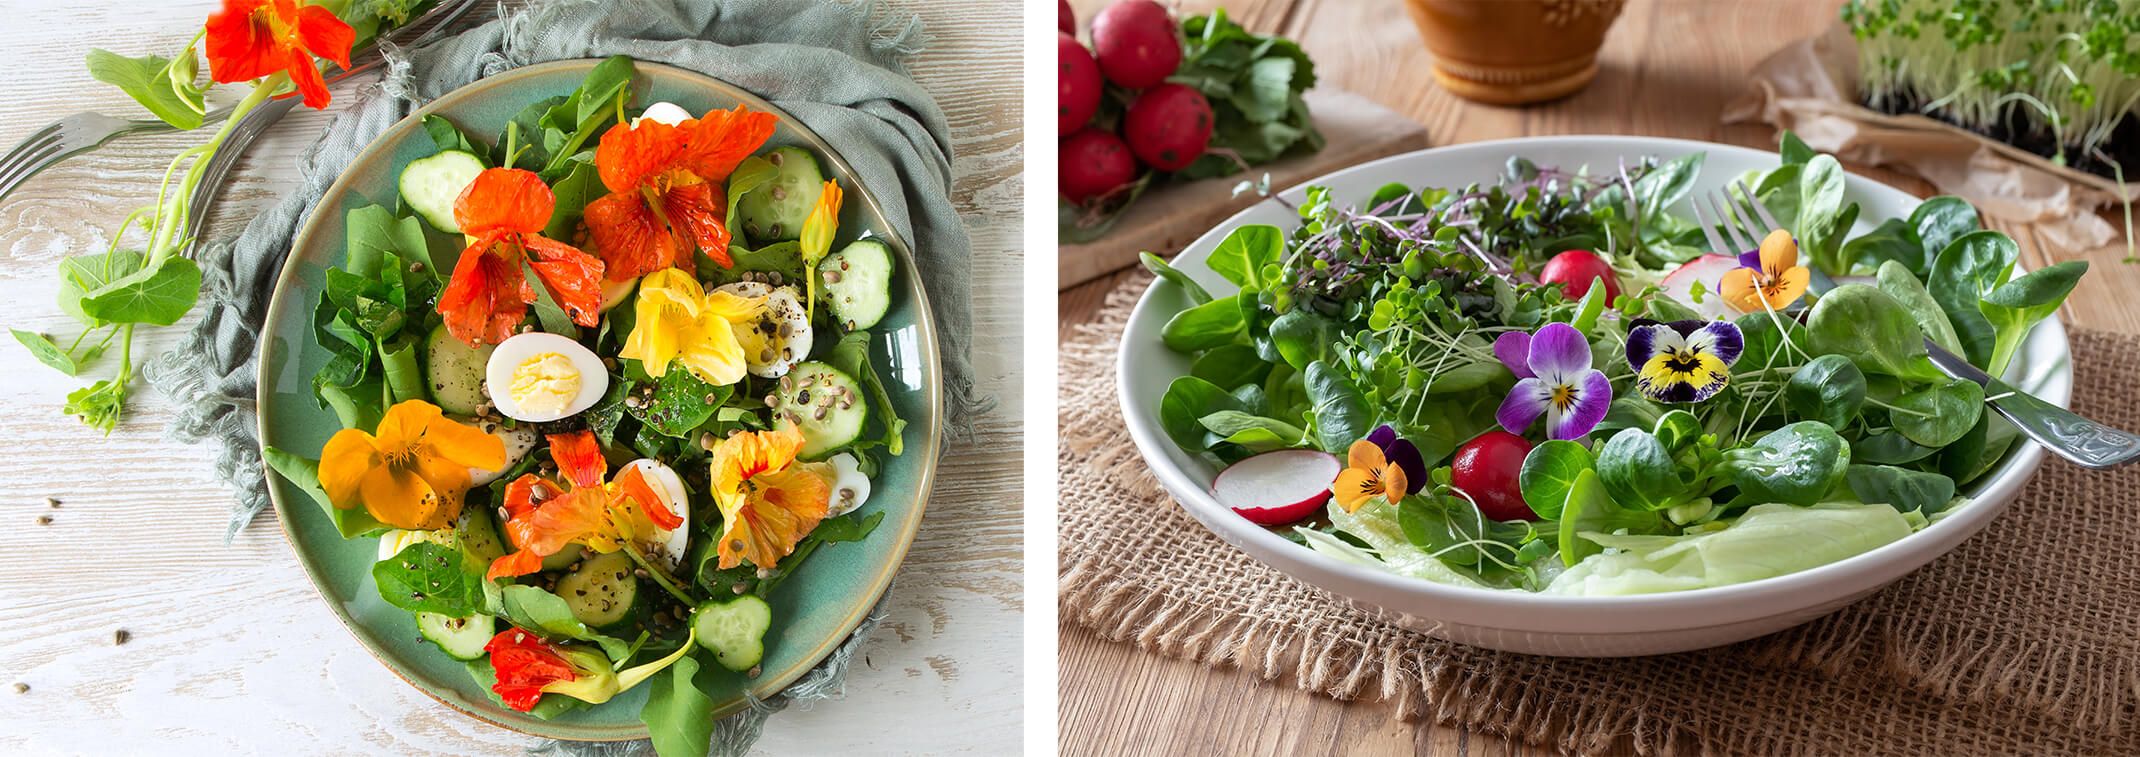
column 88, row 130
column 425, row 29
column 2085, row 442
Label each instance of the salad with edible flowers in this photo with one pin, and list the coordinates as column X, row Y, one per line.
column 604, row 382
column 1551, row 384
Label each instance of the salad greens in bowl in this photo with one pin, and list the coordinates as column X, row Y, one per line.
column 1509, row 393
column 601, row 400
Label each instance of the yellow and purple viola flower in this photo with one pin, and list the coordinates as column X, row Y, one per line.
column 1769, row 278
column 1403, row 454
column 1682, row 361
column 1556, row 382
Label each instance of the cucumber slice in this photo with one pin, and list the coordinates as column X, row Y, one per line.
column 477, row 535
column 858, row 283
column 827, row 405
column 459, row 638
column 602, row 591
column 564, row 558
column 734, row 630
column 777, row 209
column 455, row 372
column 430, row 185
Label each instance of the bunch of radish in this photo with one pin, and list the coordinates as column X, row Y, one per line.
column 1136, row 45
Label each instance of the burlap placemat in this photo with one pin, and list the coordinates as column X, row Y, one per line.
column 2024, row 640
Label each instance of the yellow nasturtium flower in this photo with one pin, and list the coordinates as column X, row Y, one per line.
column 680, row 321
column 412, row 472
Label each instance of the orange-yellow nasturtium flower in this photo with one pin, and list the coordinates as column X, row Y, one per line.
column 412, row 472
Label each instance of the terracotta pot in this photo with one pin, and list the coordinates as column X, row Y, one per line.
column 1511, row 52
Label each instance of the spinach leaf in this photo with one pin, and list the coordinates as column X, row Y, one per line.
column 165, row 87
column 2015, row 307
column 1829, row 389
column 1796, row 464
column 428, row 577
column 1820, row 208
column 448, row 136
column 1160, row 268
column 1548, row 472
column 1230, row 366
column 526, row 132
column 158, row 295
column 1936, row 224
column 1970, row 267
column 1341, row 414
column 851, row 356
column 1794, row 150
column 1245, row 251
column 1901, row 488
column 1638, row 470
column 1938, row 415
column 678, row 715
column 581, row 185
column 1891, row 241
column 1873, row 330
column 1303, row 336
column 1205, row 326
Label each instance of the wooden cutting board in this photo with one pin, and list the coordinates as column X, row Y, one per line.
column 1355, row 130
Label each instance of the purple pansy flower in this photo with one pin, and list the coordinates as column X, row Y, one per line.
column 1404, row 454
column 1557, row 382
column 1682, row 361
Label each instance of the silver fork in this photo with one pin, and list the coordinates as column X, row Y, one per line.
column 88, row 130
column 2085, row 442
column 425, row 29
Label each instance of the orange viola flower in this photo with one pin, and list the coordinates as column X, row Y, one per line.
column 249, row 39
column 412, row 472
column 1368, row 474
column 505, row 210
column 542, row 516
column 665, row 189
column 768, row 499
column 1767, row 279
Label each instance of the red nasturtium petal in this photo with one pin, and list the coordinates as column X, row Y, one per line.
column 699, row 211
column 579, row 458
column 487, row 296
column 504, row 200
column 323, row 34
column 524, row 665
column 635, row 487
column 630, row 239
column 574, row 277
column 628, row 156
column 239, row 49
column 722, row 139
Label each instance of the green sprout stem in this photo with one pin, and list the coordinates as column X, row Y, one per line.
column 660, row 574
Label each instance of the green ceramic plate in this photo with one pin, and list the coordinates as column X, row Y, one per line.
column 813, row 611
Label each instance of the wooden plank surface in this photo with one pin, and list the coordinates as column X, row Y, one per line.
column 1667, row 69
column 232, row 650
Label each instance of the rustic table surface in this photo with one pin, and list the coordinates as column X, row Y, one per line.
column 1667, row 70
column 231, row 648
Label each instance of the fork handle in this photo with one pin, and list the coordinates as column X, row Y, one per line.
column 2087, row 443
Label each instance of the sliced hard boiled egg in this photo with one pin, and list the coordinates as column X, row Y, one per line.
column 779, row 336
column 539, row 377
column 518, row 441
column 849, row 487
column 668, row 545
column 664, row 112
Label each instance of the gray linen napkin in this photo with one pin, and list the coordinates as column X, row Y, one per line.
column 838, row 68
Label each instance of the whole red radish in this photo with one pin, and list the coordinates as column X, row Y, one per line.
column 1278, row 487
column 1168, row 126
column 1065, row 19
column 1486, row 470
column 1137, row 43
column 1094, row 162
column 1077, row 86
column 1575, row 269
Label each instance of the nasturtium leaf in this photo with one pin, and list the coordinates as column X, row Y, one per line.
column 158, row 295
column 42, row 348
column 82, row 274
column 150, row 81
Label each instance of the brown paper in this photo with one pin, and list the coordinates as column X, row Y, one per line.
column 1809, row 87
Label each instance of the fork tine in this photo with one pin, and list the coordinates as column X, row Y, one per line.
column 1759, row 209
column 29, row 145
column 1721, row 206
column 17, row 167
column 1716, row 243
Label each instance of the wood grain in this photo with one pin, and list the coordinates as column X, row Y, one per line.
column 1667, row 69
column 232, row 650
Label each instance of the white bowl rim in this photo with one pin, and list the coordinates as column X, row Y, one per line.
column 1995, row 490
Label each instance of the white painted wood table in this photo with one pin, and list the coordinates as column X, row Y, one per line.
column 231, row 649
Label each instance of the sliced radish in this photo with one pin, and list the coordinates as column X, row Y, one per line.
column 1276, row 488
column 1708, row 271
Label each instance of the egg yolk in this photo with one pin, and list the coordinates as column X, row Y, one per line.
column 544, row 384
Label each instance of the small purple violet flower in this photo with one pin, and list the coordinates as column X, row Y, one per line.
column 1557, row 382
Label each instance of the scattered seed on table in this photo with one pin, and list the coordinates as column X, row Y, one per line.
column 44, row 520
column 52, row 502
column 120, row 636
column 22, row 688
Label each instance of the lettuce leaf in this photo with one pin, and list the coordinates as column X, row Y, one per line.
column 1769, row 540
column 1376, row 524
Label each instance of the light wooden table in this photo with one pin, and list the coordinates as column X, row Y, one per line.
column 1667, row 69
column 232, row 650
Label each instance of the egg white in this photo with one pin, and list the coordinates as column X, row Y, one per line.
column 849, row 487
column 664, row 112
column 669, row 545
column 780, row 335
column 520, row 348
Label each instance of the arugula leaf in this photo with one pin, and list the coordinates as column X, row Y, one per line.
column 429, row 577
column 851, row 356
column 533, row 609
column 165, row 87
column 42, row 348
column 158, row 295
column 678, row 715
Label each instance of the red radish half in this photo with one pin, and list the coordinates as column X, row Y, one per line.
column 1575, row 270
column 1077, row 85
column 1706, row 271
column 1137, row 43
column 1276, row 488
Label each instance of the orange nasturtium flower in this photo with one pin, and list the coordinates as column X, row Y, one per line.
column 249, row 39
column 679, row 321
column 528, row 668
column 1368, row 474
column 768, row 499
column 542, row 517
column 505, row 210
column 1766, row 279
column 665, row 189
column 412, row 473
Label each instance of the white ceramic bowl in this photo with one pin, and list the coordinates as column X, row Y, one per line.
column 1542, row 624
